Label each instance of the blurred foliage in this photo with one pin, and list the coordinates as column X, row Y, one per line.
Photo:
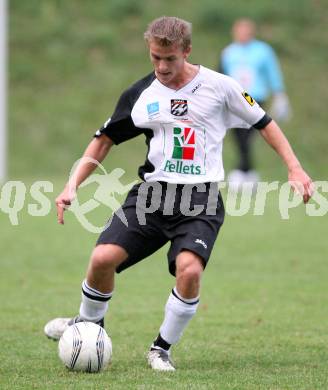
column 70, row 60
column 221, row 14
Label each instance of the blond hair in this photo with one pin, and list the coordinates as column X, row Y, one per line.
column 168, row 30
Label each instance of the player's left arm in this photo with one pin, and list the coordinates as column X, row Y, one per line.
column 297, row 177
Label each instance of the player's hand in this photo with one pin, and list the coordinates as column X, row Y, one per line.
column 63, row 201
column 280, row 107
column 301, row 183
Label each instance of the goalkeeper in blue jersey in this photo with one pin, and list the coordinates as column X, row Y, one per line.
column 255, row 66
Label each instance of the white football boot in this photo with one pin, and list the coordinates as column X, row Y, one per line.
column 236, row 179
column 56, row 327
column 243, row 181
column 159, row 360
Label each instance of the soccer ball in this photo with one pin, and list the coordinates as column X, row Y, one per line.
column 85, row 346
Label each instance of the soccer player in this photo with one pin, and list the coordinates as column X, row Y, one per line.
column 254, row 64
column 184, row 111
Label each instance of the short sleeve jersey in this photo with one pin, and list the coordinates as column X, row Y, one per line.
column 184, row 128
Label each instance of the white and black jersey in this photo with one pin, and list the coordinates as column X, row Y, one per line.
column 184, row 128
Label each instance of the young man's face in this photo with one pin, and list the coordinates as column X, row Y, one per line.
column 168, row 62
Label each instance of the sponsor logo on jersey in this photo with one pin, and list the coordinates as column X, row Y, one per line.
column 179, row 107
column 180, row 167
column 248, row 98
column 184, row 142
column 152, row 109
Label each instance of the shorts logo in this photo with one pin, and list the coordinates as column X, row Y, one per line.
column 179, row 107
column 201, row 242
column 184, row 143
column 248, row 98
column 152, row 109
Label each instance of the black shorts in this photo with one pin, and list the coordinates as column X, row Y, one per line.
column 189, row 216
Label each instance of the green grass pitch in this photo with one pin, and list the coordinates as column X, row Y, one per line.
column 261, row 324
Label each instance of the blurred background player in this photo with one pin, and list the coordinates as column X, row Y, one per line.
column 255, row 66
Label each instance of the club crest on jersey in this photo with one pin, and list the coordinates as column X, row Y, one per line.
column 179, row 107
column 248, row 98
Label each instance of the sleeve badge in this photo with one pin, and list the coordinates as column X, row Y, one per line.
column 248, row 98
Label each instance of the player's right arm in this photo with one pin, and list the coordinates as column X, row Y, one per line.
column 95, row 152
column 117, row 129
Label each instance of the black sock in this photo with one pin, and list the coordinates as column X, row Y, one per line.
column 161, row 343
